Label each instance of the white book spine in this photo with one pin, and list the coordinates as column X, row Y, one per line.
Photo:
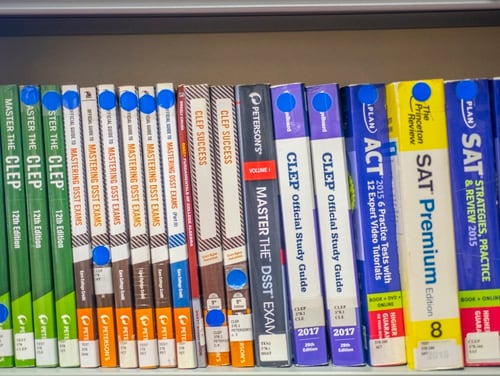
column 206, row 223
column 299, row 224
column 117, row 224
column 416, row 113
column 174, row 207
column 147, row 344
column 103, row 281
column 231, row 214
column 158, row 240
column 80, row 227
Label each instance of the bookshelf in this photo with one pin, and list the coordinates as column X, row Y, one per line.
column 222, row 41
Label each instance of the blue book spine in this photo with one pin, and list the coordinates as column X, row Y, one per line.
column 299, row 224
column 477, row 235
column 337, row 252
column 495, row 108
column 367, row 139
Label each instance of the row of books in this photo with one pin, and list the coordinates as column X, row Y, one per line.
column 261, row 225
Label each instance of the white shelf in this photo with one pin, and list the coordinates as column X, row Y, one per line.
column 315, row 371
column 175, row 7
column 64, row 17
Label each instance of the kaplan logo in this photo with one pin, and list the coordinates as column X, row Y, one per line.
column 369, row 118
column 468, row 109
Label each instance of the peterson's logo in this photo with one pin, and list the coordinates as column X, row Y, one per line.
column 43, row 319
column 66, row 319
column 22, row 320
column 144, row 320
column 255, row 98
column 183, row 319
column 163, row 320
column 85, row 320
column 125, row 319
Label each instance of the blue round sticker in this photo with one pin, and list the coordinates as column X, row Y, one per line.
column 368, row 94
column 30, row 95
column 71, row 99
column 101, row 255
column 236, row 279
column 4, row 313
column 215, row 317
column 107, row 100
column 286, row 102
column 51, row 100
column 147, row 104
column 322, row 102
column 466, row 90
column 128, row 101
column 166, row 98
column 421, row 91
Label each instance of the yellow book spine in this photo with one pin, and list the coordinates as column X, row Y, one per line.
column 419, row 147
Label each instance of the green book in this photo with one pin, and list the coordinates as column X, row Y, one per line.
column 16, row 231
column 6, row 349
column 38, row 227
column 60, row 226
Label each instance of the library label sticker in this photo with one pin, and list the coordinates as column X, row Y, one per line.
column 6, row 348
column 437, row 354
column 273, row 347
column 482, row 346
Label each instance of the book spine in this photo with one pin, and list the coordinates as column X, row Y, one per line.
column 194, row 278
column 60, row 226
column 38, row 227
column 473, row 178
column 494, row 85
column 266, row 259
column 117, row 225
column 86, row 315
column 143, row 295
column 375, row 230
column 6, row 339
column 168, row 151
column 6, row 335
column 17, row 230
column 98, row 212
column 158, row 235
column 293, row 157
column 331, row 185
column 427, row 255
column 207, row 226
column 231, row 216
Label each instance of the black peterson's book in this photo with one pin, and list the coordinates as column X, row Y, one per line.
column 263, row 225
